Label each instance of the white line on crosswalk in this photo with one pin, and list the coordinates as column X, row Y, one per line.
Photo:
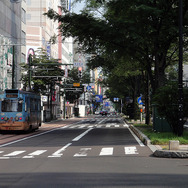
column 83, row 152
column 59, row 153
column 14, row 153
column 35, row 153
column 130, row 150
column 106, row 151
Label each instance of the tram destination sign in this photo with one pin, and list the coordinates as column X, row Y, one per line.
column 11, row 95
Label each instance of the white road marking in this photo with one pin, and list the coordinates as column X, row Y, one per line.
column 83, row 152
column 14, row 153
column 4, row 157
column 81, row 135
column 125, row 125
column 130, row 150
column 1, row 151
column 91, row 126
column 106, row 151
column 35, row 153
column 136, row 138
column 59, row 153
column 29, row 137
column 82, row 126
column 99, row 126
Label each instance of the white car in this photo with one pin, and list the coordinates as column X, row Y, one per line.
column 97, row 112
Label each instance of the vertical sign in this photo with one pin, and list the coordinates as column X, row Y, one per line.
column 66, row 72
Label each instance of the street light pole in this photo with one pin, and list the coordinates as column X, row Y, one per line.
column 180, row 72
column 13, row 68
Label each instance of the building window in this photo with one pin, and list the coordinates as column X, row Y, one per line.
column 23, row 58
column 28, row 2
column 28, row 16
column 23, row 37
column 23, row 16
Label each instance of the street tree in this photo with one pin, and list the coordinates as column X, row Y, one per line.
column 144, row 31
column 45, row 72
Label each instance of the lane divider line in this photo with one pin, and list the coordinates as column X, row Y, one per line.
column 81, row 135
column 59, row 153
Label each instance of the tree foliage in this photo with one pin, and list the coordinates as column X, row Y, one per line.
column 128, row 38
column 166, row 99
column 45, row 72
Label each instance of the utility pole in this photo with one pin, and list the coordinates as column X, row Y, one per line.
column 13, row 67
column 29, row 75
column 180, row 72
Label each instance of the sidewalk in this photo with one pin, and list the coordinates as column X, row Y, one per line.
column 157, row 150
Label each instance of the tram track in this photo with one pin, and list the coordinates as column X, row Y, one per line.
column 6, row 137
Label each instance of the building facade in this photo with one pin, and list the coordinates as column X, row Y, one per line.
column 12, row 42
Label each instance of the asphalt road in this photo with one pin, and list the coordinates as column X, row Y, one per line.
column 93, row 152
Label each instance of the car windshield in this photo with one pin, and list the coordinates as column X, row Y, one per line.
column 11, row 105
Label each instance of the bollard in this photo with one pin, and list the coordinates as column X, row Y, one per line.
column 173, row 145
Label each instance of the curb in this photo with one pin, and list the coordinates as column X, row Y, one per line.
column 171, row 154
column 156, row 151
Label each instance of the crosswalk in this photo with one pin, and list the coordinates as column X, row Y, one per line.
column 82, row 152
column 86, row 126
column 98, row 123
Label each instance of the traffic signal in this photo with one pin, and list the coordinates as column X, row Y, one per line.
column 79, row 72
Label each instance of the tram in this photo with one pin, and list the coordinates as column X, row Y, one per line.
column 20, row 110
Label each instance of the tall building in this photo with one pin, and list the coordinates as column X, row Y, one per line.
column 40, row 28
column 12, row 37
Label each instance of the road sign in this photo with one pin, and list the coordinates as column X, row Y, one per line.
column 139, row 100
column 78, row 64
column 116, row 99
column 88, row 88
column 76, row 84
column 99, row 98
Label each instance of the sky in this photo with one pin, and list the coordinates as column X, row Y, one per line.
column 77, row 7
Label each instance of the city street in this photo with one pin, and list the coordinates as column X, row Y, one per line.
column 98, row 151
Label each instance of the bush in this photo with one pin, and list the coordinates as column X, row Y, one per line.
column 166, row 99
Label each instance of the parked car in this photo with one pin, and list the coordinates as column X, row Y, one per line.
column 113, row 113
column 97, row 112
column 103, row 112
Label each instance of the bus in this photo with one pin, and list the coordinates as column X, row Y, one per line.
column 19, row 110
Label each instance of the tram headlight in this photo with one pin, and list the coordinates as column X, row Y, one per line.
column 6, row 118
column 18, row 118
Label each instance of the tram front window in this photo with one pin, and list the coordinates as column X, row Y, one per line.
column 11, row 106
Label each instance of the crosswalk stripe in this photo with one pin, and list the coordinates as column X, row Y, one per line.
column 59, row 153
column 130, row 150
column 82, row 152
column 35, row 153
column 106, row 151
column 14, row 153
